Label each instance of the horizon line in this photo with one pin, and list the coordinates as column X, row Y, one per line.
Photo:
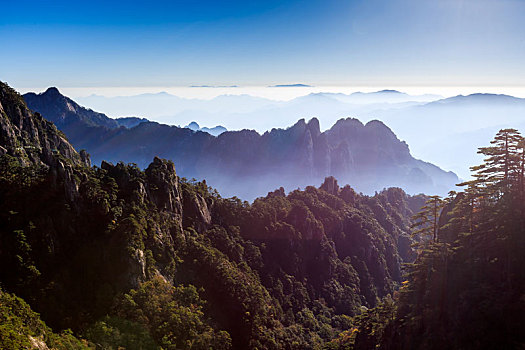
column 264, row 91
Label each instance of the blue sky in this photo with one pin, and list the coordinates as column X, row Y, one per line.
column 182, row 43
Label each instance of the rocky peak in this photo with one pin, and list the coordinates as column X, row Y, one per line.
column 346, row 123
column 32, row 140
column 196, row 211
column 299, row 127
column 380, row 128
column 52, row 91
column 29, row 137
column 244, row 163
column 193, row 126
column 163, row 185
column 330, row 185
column 84, row 156
column 314, row 127
column 65, row 112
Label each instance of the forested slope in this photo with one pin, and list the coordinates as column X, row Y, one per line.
column 145, row 259
column 466, row 288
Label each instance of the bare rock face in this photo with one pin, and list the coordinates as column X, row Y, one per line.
column 84, row 156
column 164, row 186
column 341, row 160
column 32, row 140
column 136, row 268
column 27, row 136
column 314, row 127
column 330, row 185
column 38, row 343
column 157, row 188
column 196, row 211
column 72, row 211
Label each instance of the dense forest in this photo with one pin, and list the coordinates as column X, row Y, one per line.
column 466, row 289
column 116, row 257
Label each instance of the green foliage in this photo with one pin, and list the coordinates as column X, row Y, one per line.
column 142, row 259
column 133, row 258
column 173, row 316
column 115, row 333
column 21, row 328
column 465, row 289
column 425, row 222
column 368, row 329
column 16, row 178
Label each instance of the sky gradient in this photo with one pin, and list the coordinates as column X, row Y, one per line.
column 259, row 43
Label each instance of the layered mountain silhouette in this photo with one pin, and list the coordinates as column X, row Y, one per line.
column 130, row 122
column 245, row 163
column 454, row 126
column 215, row 131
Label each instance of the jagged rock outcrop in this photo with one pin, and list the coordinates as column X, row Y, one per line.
column 85, row 158
column 196, row 212
column 163, row 185
column 32, row 140
column 28, row 136
column 330, row 185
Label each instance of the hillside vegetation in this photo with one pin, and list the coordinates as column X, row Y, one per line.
column 113, row 256
column 145, row 259
column 466, row 288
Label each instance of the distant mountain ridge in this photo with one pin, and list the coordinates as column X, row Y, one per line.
column 247, row 164
column 291, row 85
column 480, row 98
column 130, row 122
column 66, row 111
column 30, row 138
column 69, row 116
column 215, row 131
column 454, row 126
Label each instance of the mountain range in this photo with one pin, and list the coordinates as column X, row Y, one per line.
column 246, row 111
column 433, row 126
column 145, row 259
column 215, row 131
column 247, row 164
column 447, row 131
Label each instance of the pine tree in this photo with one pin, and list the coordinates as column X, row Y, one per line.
column 426, row 222
column 521, row 174
column 502, row 166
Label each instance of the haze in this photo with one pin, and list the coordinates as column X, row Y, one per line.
column 206, row 50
